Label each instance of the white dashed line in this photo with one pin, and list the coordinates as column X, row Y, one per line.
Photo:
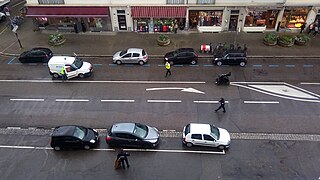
column 261, row 102
column 72, row 100
column 26, row 99
column 164, row 101
column 116, row 100
column 209, row 102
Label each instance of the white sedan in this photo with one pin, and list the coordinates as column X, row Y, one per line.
column 131, row 55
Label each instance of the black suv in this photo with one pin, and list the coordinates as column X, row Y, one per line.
column 182, row 56
column 74, row 137
column 230, row 57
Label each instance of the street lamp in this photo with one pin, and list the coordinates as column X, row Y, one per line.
column 14, row 29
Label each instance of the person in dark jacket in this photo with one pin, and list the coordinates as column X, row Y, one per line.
column 222, row 102
column 123, row 157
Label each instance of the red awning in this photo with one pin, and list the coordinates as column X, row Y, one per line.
column 69, row 11
column 158, row 11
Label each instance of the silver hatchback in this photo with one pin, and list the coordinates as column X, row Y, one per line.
column 131, row 55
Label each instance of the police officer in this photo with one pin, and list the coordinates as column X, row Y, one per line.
column 168, row 66
column 63, row 73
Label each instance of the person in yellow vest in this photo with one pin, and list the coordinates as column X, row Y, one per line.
column 168, row 66
column 63, row 74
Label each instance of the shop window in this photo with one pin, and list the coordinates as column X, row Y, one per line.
column 51, row 1
column 210, row 18
column 175, row 1
column 95, row 24
column 42, row 21
column 294, row 18
column 164, row 25
column 261, row 18
column 206, row 1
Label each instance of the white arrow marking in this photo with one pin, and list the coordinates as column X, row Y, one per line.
column 177, row 88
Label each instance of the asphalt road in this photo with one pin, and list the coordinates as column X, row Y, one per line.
column 268, row 96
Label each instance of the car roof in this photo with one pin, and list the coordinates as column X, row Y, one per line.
column 134, row 50
column 198, row 128
column 123, row 127
column 47, row 50
column 61, row 59
column 63, row 130
column 185, row 50
column 235, row 51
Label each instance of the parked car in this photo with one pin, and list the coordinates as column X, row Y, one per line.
column 71, row 136
column 231, row 57
column 182, row 56
column 133, row 134
column 131, row 55
column 36, row 55
column 205, row 135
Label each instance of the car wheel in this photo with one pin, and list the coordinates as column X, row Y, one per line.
column 86, row 147
column 81, row 76
column 219, row 63
column 189, row 144
column 193, row 62
column 57, row 148
column 118, row 62
column 141, row 63
column 55, row 75
column 242, row 64
column 221, row 147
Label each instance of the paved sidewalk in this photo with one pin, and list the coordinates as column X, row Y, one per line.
column 107, row 43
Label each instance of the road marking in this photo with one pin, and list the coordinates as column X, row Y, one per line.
column 114, row 65
column 146, row 65
column 209, row 102
column 10, row 62
column 26, row 99
column 164, row 101
column 195, row 65
column 261, row 102
column 97, row 64
column 307, row 65
column 208, row 65
column 72, row 100
column 116, row 100
column 131, row 150
column 192, row 90
column 290, row 65
column 118, row 82
column 178, row 65
column 273, row 65
column 310, row 83
column 257, row 65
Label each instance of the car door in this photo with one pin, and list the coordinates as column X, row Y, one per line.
column 71, row 71
column 72, row 142
column 135, row 58
column 181, row 58
column 227, row 59
column 126, row 58
column 209, row 141
column 197, row 139
column 36, row 56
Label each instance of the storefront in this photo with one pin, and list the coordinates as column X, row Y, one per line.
column 157, row 19
column 294, row 17
column 71, row 19
column 260, row 19
column 206, row 20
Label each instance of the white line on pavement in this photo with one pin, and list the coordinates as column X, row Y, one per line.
column 72, row 100
column 310, row 83
column 209, row 102
column 128, row 82
column 261, row 102
column 116, row 100
column 164, row 101
column 26, row 99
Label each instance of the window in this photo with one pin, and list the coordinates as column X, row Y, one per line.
column 136, row 55
column 207, row 137
column 51, row 1
column 122, row 135
column 206, row 1
column 175, row 1
column 196, row 136
column 127, row 55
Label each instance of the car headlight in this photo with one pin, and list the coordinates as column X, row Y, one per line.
column 92, row 141
column 166, row 59
column 215, row 58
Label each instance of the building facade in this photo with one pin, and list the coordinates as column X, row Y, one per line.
column 145, row 16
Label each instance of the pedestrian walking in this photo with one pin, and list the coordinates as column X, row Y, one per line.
column 175, row 28
column 222, row 102
column 302, row 27
column 63, row 74
column 122, row 157
column 316, row 30
column 168, row 67
column 311, row 28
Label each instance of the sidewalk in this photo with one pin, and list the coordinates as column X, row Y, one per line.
column 107, row 43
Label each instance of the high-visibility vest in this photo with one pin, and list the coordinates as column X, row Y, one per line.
column 167, row 65
column 62, row 71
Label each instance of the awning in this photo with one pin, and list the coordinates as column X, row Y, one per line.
column 69, row 11
column 158, row 11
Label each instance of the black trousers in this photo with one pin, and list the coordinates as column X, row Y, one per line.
column 168, row 72
column 124, row 159
column 221, row 106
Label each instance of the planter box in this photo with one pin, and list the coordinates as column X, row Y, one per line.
column 300, row 43
column 270, row 43
column 163, row 43
column 281, row 43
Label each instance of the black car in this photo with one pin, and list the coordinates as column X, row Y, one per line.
column 36, row 55
column 231, row 57
column 74, row 137
column 182, row 56
column 133, row 134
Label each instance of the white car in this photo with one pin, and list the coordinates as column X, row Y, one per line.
column 2, row 16
column 131, row 55
column 205, row 135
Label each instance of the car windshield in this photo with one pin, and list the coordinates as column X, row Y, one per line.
column 215, row 132
column 78, row 63
column 140, row 130
column 123, row 53
column 80, row 132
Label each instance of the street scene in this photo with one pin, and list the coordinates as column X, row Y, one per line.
column 117, row 105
